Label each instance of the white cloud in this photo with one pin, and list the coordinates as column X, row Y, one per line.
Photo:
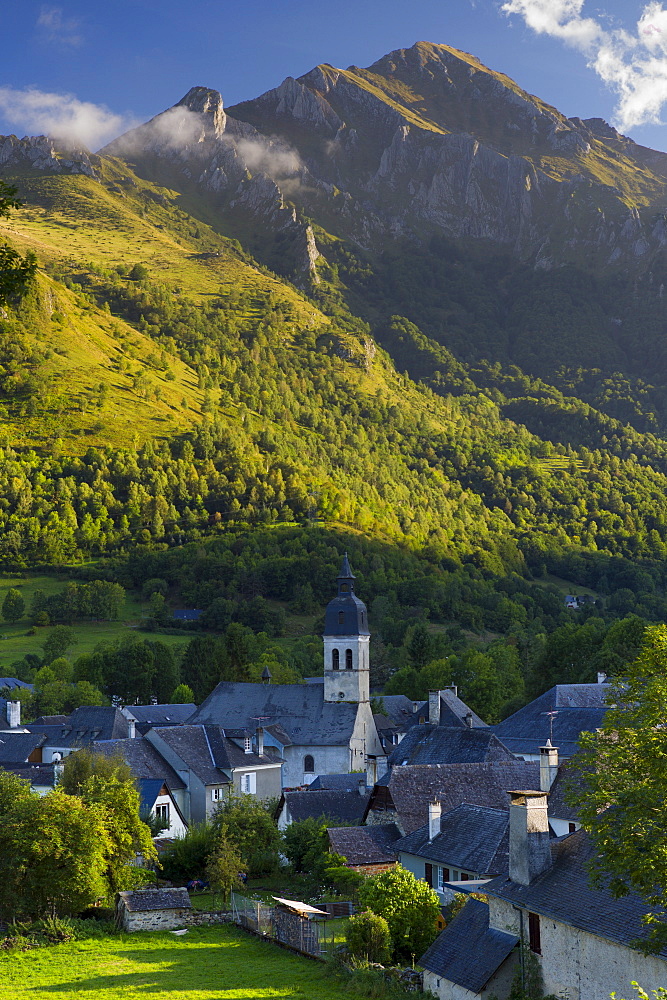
column 61, row 116
column 57, row 29
column 632, row 63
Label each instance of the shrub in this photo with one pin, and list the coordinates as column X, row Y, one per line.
column 368, row 937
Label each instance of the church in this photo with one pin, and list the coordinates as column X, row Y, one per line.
column 320, row 728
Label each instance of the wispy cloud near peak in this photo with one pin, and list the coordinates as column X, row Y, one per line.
column 62, row 116
column 632, row 63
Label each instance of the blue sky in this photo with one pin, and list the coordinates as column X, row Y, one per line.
column 138, row 58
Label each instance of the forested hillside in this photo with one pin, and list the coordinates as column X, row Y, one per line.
column 464, row 422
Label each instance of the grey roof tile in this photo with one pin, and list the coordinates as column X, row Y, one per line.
column 474, row 838
column 365, row 845
column 579, row 708
column 36, row 774
column 137, row 900
column 468, row 952
column 143, row 759
column 430, row 744
column 340, row 782
column 453, row 712
column 299, row 709
column 335, row 805
column 564, row 893
column 15, row 748
column 406, row 791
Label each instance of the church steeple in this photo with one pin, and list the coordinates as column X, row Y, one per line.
column 346, row 643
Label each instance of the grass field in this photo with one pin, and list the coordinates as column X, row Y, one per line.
column 16, row 640
column 211, row 963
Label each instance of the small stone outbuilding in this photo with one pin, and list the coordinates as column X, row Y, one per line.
column 152, row 909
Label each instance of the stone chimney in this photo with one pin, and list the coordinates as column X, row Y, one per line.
column 13, row 714
column 454, row 689
column 467, row 718
column 530, row 853
column 434, row 814
column 362, row 786
column 131, row 728
column 434, row 708
column 548, row 766
column 260, row 741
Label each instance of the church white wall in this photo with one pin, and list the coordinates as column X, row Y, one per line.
column 343, row 684
column 326, row 760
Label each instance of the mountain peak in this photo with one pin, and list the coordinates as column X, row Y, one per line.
column 207, row 102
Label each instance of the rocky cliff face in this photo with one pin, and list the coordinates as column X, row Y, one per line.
column 41, row 153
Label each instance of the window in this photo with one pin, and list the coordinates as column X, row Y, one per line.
column 341, row 617
column 534, row 933
column 443, row 876
column 217, row 794
column 428, row 874
column 247, row 744
column 335, row 659
column 162, row 812
column 348, row 659
column 465, row 877
column 571, row 827
column 344, row 588
column 309, row 764
column 248, row 783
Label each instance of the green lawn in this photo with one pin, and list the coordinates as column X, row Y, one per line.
column 211, row 963
column 16, row 639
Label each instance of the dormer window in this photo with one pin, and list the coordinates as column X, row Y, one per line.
column 341, row 617
column 247, row 744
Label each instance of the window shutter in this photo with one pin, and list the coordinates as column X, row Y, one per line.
column 428, row 874
column 534, row 933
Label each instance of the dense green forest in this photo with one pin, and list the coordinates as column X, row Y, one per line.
column 384, row 412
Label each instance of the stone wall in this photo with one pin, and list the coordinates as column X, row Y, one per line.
column 154, row 920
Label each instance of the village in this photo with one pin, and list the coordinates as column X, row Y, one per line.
column 480, row 814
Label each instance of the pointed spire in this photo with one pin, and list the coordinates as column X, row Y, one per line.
column 266, row 675
column 346, row 570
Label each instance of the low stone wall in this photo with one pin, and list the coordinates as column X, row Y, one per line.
column 154, row 920
column 203, row 918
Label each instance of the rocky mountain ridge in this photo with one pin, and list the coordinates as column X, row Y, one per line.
column 424, row 141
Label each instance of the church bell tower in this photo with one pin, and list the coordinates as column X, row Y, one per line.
column 346, row 643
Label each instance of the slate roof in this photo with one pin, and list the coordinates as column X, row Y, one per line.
column 208, row 752
column 567, row 778
column 473, row 838
column 85, row 725
column 580, row 708
column 146, row 716
column 50, row 720
column 398, row 708
column 365, row 845
column 564, row 893
column 36, row 774
column 346, row 605
column 149, row 790
column 468, row 952
column 406, row 791
column 430, row 744
column 299, row 709
column 14, row 682
column 137, row 900
column 346, row 807
column 143, row 759
column 15, row 748
column 453, row 712
column 340, row 782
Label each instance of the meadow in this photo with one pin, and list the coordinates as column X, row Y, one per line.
column 207, row 963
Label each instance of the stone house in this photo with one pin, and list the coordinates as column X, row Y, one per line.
column 468, row 843
column 335, row 805
column 152, row 909
column 367, row 849
column 580, row 936
column 403, row 794
column 212, row 765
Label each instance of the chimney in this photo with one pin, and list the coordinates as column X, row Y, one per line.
column 362, row 786
column 602, row 677
column 13, row 714
column 530, row 853
column 548, row 766
column 453, row 688
column 371, row 771
column 434, row 814
column 131, row 728
column 58, row 769
column 260, row 741
column 467, row 718
column 434, row 708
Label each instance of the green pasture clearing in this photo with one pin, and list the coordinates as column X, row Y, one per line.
column 565, row 586
column 207, row 963
column 16, row 640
